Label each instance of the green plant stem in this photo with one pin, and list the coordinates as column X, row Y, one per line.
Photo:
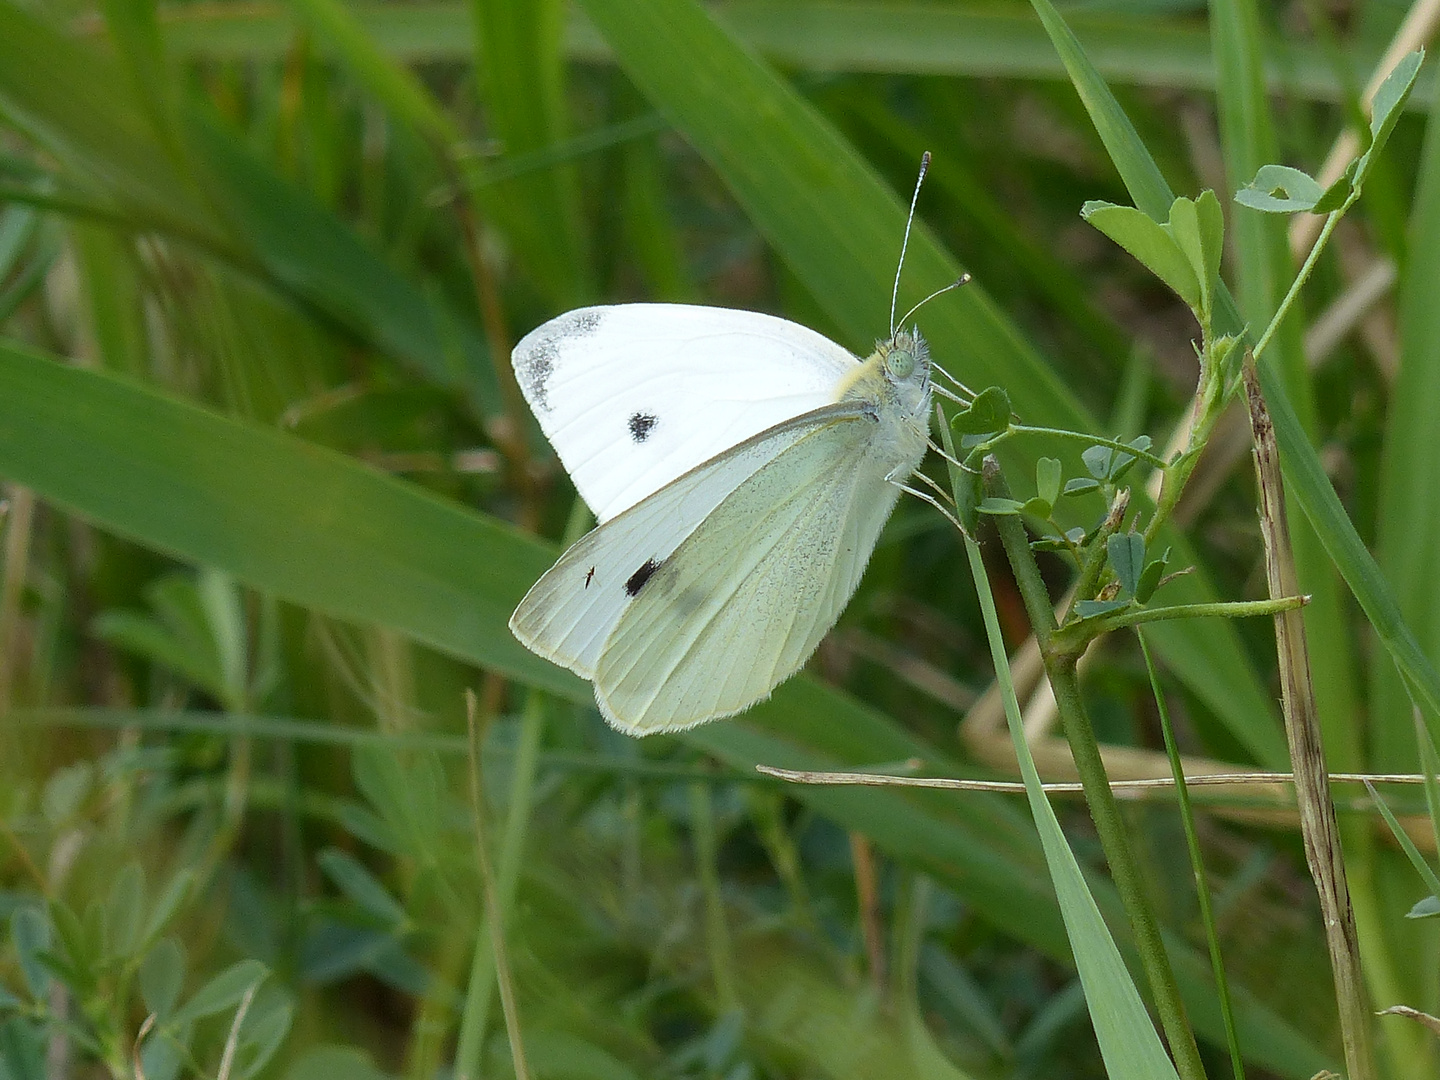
column 1104, row 811
column 494, row 917
column 475, row 1018
column 1093, row 440
column 1310, row 260
column 1197, row 864
column 1072, row 638
column 1094, row 565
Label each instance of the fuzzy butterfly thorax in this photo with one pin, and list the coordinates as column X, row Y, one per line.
column 895, row 379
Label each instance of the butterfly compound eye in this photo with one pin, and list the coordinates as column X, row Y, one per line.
column 901, row 363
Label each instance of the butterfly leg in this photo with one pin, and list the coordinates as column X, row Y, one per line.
column 958, row 464
column 925, row 496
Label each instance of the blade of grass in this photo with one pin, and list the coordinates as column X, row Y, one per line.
column 75, row 103
column 1417, row 860
column 1409, row 510
column 238, row 496
column 823, row 36
column 521, row 71
column 1265, row 270
column 1128, row 1040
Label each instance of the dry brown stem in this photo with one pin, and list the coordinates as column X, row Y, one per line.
column 1318, row 827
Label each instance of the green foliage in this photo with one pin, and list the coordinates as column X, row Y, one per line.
column 259, row 267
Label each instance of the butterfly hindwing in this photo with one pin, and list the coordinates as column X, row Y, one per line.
column 745, row 599
column 633, row 396
column 570, row 613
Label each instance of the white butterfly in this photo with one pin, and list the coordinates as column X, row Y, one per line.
column 741, row 467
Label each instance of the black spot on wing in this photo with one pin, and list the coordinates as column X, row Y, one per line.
column 640, row 577
column 641, row 424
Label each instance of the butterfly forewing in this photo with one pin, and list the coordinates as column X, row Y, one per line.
column 570, row 612
column 633, row 396
column 743, row 602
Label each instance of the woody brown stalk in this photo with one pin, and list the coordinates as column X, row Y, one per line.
column 1307, row 753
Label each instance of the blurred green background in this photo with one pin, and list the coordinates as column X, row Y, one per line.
column 271, row 498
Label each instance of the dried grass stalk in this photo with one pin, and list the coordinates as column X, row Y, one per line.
column 1318, row 827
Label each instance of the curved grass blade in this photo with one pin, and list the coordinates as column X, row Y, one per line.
column 1128, row 1041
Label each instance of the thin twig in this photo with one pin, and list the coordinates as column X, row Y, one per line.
column 135, row 1046
column 1015, row 787
column 232, row 1041
column 867, row 894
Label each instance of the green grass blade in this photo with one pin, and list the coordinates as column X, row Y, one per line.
column 80, row 107
column 1409, row 512
column 1265, row 270
column 839, row 227
column 237, row 497
column 309, row 254
column 398, row 89
column 521, row 70
column 1417, row 860
column 928, row 39
column 51, row 88
column 1128, row 1040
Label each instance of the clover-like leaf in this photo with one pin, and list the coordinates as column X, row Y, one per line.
column 1151, row 243
column 1279, row 189
column 1048, row 474
column 1198, row 227
column 1126, row 552
column 1427, row 907
column 990, row 411
column 1088, row 609
column 1390, row 98
column 1098, row 459
column 1150, row 578
column 1080, row 485
column 1000, row 507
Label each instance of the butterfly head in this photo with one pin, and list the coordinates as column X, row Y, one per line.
column 905, row 360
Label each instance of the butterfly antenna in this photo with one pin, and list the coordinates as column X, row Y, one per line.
column 895, row 292
column 963, row 279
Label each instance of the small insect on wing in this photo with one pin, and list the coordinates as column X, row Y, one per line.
column 743, row 602
column 569, row 614
column 633, row 396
